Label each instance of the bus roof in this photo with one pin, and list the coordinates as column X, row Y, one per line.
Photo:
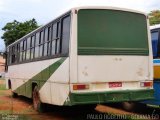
column 110, row 8
column 78, row 8
column 154, row 26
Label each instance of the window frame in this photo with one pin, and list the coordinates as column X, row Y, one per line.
column 22, row 53
column 13, row 54
column 61, row 49
column 158, row 45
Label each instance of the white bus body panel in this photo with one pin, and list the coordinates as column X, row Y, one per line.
column 56, row 88
column 112, row 68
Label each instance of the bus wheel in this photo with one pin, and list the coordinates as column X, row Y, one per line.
column 14, row 95
column 129, row 106
column 37, row 104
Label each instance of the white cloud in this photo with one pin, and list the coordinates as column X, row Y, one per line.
column 2, row 5
column 141, row 5
column 45, row 10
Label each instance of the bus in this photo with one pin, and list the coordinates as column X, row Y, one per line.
column 155, row 37
column 89, row 55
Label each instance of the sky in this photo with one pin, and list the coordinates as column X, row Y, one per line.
column 46, row 10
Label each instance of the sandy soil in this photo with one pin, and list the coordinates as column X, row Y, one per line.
column 22, row 106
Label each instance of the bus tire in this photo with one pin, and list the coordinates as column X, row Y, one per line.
column 37, row 104
column 129, row 106
column 14, row 95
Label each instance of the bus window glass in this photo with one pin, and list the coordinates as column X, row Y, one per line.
column 36, row 51
column 37, row 38
column 117, row 30
column 57, row 46
column 54, row 31
column 13, row 55
column 49, row 33
column 49, row 48
column 21, row 49
column 45, row 49
column 18, row 51
column 32, row 41
column 24, row 45
column 154, row 37
column 40, row 50
column 46, row 34
column 24, row 51
column 49, row 41
column 58, row 39
column 28, row 42
column 41, row 44
column 32, row 47
column 27, row 54
column 53, row 51
column 54, row 37
column 32, row 53
column 21, row 45
column 41, row 37
column 28, row 48
column 8, row 56
column 65, row 35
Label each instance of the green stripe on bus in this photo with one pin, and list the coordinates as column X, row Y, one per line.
column 40, row 79
column 109, row 96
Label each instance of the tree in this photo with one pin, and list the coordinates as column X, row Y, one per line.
column 15, row 30
column 154, row 17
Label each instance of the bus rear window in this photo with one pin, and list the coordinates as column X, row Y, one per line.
column 112, row 32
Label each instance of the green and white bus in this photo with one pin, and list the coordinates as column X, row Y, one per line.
column 88, row 55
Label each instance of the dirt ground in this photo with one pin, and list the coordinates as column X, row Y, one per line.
column 21, row 108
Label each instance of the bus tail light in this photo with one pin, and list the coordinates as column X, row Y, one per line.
column 80, row 87
column 146, row 84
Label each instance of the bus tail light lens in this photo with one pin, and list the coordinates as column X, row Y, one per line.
column 146, row 84
column 80, row 87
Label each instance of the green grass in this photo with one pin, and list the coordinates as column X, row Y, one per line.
column 2, row 87
column 2, row 79
column 5, row 112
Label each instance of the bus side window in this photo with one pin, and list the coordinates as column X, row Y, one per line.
column 8, row 56
column 24, row 50
column 13, row 56
column 58, row 38
column 32, row 47
column 21, row 49
column 47, row 41
column 54, row 37
column 65, row 35
column 37, row 45
column 28, row 48
column 41, row 44
column 154, row 36
column 18, row 52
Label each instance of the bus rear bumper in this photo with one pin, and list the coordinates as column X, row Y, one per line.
column 108, row 97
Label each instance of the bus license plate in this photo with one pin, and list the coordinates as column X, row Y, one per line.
column 115, row 84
